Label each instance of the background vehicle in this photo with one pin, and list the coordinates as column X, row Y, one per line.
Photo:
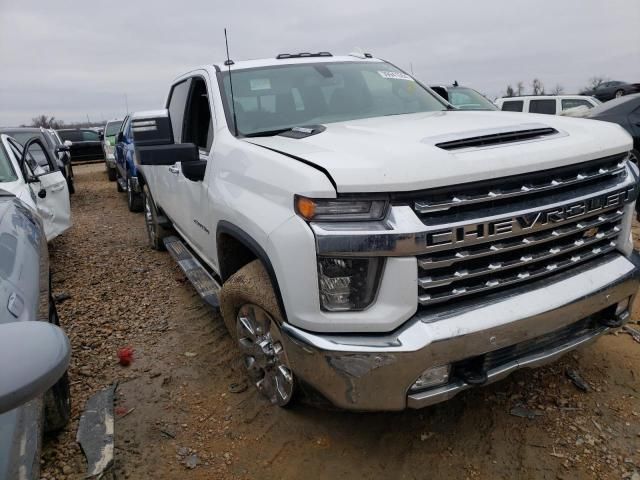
column 464, row 98
column 549, row 104
column 44, row 190
column 613, row 89
column 56, row 150
column 111, row 130
column 626, row 113
column 376, row 247
column 126, row 170
column 85, row 144
column 24, row 281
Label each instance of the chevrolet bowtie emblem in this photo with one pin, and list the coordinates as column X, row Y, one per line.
column 592, row 232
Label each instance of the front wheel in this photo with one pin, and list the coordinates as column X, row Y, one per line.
column 619, row 93
column 134, row 199
column 57, row 400
column 155, row 231
column 252, row 316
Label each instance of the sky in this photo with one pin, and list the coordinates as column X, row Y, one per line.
column 76, row 59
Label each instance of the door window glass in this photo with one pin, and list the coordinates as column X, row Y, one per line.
column 543, row 106
column 90, row 136
column 7, row 173
column 198, row 127
column 568, row 103
column 177, row 104
column 513, row 106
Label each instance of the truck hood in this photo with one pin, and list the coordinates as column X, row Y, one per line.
column 399, row 153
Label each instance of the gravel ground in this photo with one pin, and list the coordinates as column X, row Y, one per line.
column 177, row 417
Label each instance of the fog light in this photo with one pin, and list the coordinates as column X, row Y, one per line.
column 432, row 377
column 623, row 306
column 348, row 283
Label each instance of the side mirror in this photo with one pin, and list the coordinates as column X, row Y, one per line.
column 194, row 171
column 62, row 148
column 120, row 137
column 68, row 143
column 38, row 355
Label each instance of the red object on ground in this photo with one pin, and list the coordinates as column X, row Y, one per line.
column 125, row 356
column 120, row 411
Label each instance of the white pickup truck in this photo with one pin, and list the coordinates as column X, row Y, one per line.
column 370, row 245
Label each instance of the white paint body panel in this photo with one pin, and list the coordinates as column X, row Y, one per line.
column 54, row 209
column 253, row 188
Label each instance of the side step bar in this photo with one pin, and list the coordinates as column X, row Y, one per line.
column 203, row 282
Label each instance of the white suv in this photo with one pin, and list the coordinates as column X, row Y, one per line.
column 567, row 105
column 369, row 243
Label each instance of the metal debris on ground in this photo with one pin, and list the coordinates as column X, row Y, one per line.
column 635, row 334
column 576, row 379
column 95, row 431
column 524, row 412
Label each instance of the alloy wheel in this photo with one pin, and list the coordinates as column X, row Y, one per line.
column 263, row 353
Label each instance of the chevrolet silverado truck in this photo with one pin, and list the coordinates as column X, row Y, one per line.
column 370, row 245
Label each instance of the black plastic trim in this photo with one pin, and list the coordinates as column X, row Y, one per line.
column 246, row 240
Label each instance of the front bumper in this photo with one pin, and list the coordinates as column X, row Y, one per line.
column 110, row 160
column 376, row 372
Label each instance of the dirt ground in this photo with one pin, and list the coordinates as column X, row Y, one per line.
column 176, row 416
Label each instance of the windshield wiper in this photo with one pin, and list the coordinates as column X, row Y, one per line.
column 267, row 133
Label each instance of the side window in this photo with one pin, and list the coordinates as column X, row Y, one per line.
column 90, row 136
column 198, row 125
column 176, row 107
column 513, row 106
column 568, row 103
column 543, row 106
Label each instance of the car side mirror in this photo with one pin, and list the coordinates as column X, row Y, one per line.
column 36, row 355
column 68, row 143
column 62, row 148
column 120, row 137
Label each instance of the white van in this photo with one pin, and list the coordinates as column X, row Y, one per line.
column 568, row 105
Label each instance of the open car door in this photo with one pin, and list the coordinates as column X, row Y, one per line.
column 49, row 189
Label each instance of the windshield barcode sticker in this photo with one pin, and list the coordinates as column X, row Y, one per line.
column 394, row 75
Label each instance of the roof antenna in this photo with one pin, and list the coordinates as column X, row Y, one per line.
column 228, row 63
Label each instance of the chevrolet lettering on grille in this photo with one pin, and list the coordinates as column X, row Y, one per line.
column 529, row 222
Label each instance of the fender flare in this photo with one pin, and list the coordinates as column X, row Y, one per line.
column 245, row 239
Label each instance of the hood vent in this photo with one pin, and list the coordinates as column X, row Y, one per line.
column 497, row 138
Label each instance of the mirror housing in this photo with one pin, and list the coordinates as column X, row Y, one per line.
column 68, row 143
column 194, row 171
column 62, row 148
column 38, row 355
column 120, row 137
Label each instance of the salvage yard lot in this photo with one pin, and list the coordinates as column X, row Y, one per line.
column 179, row 413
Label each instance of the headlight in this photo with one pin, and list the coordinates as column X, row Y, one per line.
column 348, row 283
column 344, row 210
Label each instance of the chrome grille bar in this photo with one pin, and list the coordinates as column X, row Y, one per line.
column 527, row 258
column 584, row 175
column 450, row 257
column 518, row 275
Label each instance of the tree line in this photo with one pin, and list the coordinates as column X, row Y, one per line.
column 538, row 88
column 46, row 121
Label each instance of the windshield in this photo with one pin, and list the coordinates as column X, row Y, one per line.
column 272, row 99
column 468, row 99
column 112, row 128
column 7, row 173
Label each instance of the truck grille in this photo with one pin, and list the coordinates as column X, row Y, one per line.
column 466, row 259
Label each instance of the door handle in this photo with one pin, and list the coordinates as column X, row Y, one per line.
column 173, row 169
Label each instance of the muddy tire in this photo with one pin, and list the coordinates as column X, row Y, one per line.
column 111, row 174
column 251, row 314
column 57, row 400
column 135, row 202
column 155, row 232
column 57, row 405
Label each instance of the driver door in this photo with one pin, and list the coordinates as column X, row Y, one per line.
column 48, row 187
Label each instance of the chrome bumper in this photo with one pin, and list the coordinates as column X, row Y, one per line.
column 376, row 372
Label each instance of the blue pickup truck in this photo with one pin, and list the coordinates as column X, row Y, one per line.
column 126, row 172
